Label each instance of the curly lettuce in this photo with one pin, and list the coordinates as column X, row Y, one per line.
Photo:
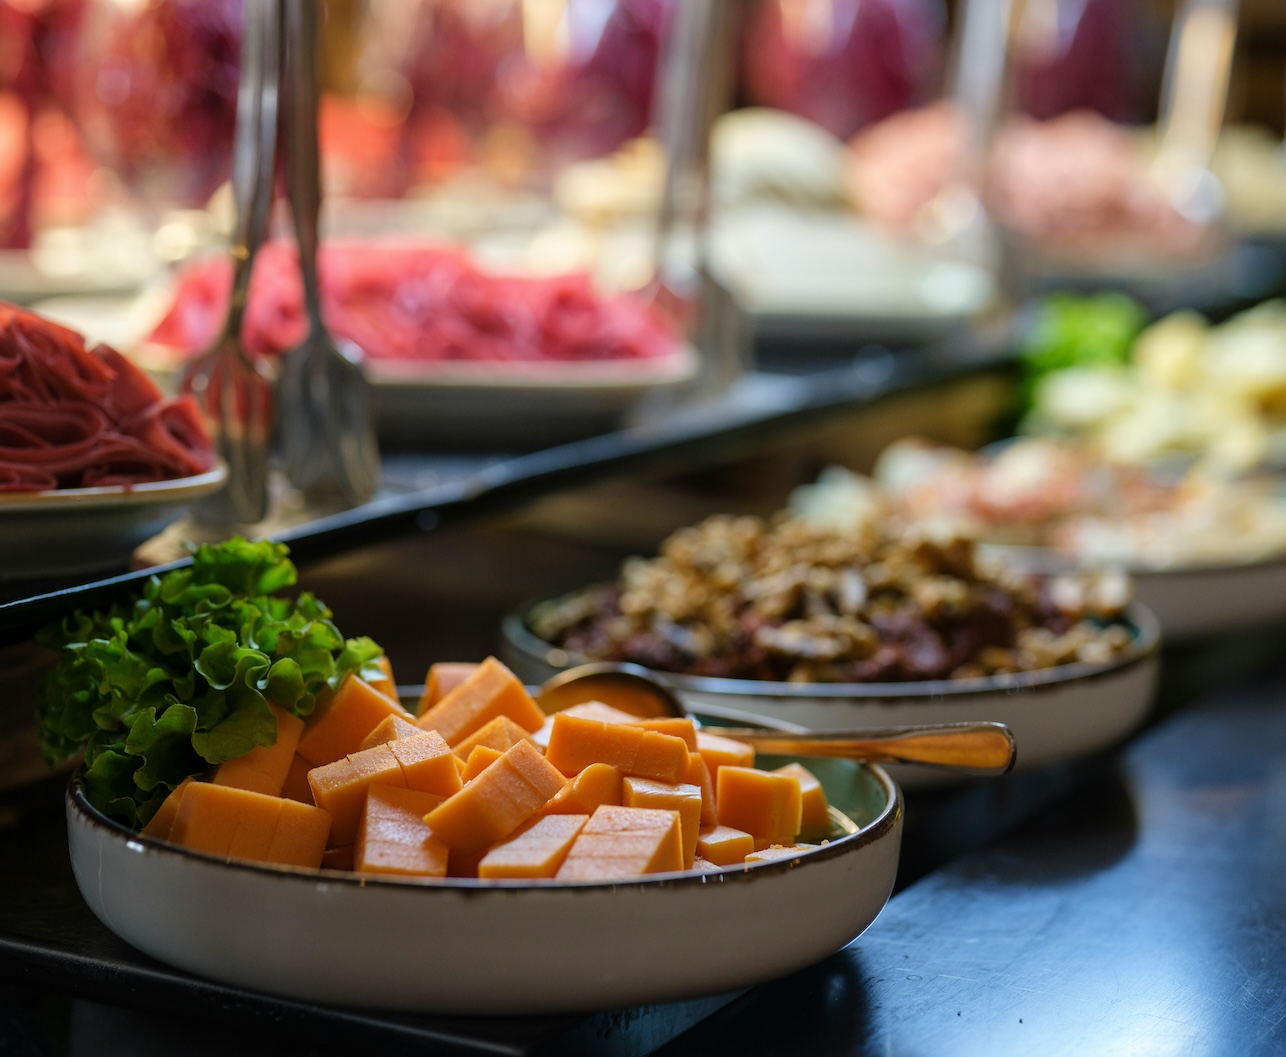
column 165, row 685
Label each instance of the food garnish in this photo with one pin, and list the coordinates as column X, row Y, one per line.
column 179, row 678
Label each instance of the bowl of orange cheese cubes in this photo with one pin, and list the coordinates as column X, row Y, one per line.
column 469, row 854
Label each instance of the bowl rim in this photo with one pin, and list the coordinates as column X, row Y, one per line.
column 881, row 826
column 1145, row 645
column 1046, row 560
column 169, row 490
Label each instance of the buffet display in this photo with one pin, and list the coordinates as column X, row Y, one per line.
column 232, row 748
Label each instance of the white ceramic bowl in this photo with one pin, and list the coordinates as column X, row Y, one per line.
column 470, row 947
column 1189, row 601
column 1054, row 713
column 69, row 531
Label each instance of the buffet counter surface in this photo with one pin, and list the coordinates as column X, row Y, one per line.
column 1131, row 903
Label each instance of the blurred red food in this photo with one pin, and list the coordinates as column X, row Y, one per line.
column 1087, row 56
column 497, row 80
column 843, row 63
column 155, row 91
column 72, row 417
column 420, row 304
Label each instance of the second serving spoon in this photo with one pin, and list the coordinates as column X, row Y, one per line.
column 979, row 748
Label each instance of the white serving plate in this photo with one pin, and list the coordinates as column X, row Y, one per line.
column 827, row 272
column 68, row 531
column 1190, row 601
column 516, row 402
column 1054, row 713
column 459, row 946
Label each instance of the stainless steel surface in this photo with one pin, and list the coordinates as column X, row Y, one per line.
column 981, row 748
column 327, row 433
column 234, row 390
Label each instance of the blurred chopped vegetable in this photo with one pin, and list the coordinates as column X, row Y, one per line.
column 1080, row 331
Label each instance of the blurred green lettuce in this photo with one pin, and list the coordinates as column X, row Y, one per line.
column 1073, row 330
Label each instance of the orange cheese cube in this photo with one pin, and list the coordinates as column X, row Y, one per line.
column 765, row 805
column 213, row 818
column 585, row 710
column 501, row 733
column 390, row 728
column 442, row 678
column 723, row 752
column 342, row 724
column 340, row 787
column 598, row 784
column 237, row 823
column 685, row 799
column 480, row 759
column 704, row 865
column 699, row 775
column 300, row 836
column 253, row 838
column 264, row 768
column 493, row 690
column 427, row 763
column 536, row 850
column 575, row 743
column 620, row 842
column 296, row 786
column 723, row 845
column 393, row 838
column 386, row 685
column 815, row 819
column 675, row 727
column 160, row 824
column 777, row 852
column 208, row 817
column 496, row 802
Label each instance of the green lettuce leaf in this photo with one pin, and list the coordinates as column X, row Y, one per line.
column 179, row 678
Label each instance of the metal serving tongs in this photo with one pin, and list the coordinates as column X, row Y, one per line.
column 1193, row 96
column 328, row 444
column 235, row 391
column 976, row 748
column 954, row 219
column 694, row 88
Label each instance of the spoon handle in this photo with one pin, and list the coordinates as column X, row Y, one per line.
column 983, row 748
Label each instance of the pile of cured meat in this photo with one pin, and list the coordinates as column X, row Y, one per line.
column 72, row 417
column 418, row 304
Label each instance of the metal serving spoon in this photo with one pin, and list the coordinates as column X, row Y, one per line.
column 981, row 748
column 328, row 443
column 234, row 390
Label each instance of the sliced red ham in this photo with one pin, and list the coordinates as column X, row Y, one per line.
column 72, row 417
